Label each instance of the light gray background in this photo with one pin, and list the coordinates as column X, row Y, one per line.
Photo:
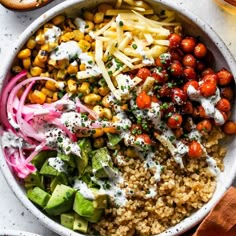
column 12, row 214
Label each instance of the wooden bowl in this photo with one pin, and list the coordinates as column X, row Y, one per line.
column 23, row 5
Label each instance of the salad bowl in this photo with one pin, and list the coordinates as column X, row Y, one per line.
column 193, row 26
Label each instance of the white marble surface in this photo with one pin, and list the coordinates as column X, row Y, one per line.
column 12, row 214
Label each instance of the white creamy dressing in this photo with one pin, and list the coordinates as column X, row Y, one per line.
column 60, row 85
column 208, row 104
column 83, row 188
column 195, row 135
column 152, row 193
column 9, row 139
column 125, row 83
column 66, row 51
column 154, row 114
column 113, row 191
column 51, row 35
column 149, row 163
column 212, row 166
column 57, row 164
column 120, row 159
column 146, row 60
column 80, row 23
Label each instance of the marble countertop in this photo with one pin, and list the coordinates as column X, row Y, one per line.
column 12, row 214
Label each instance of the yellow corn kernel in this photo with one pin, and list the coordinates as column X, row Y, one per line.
column 62, row 64
column 52, row 46
column 72, row 69
column 98, row 17
column 124, row 107
column 40, row 39
column 99, row 110
column 107, row 113
column 78, row 35
column 16, row 69
column 72, row 85
column 98, row 133
column 30, row 97
column 38, row 97
column 131, row 153
column 103, row 91
column 31, row 43
column 47, row 92
column 61, row 74
column 115, row 119
column 55, row 96
column 88, row 38
column 43, row 56
column 26, row 63
column 89, row 26
column 35, row 71
column 87, row 15
column 82, row 67
column 98, row 142
column 95, row 90
column 67, row 36
column 48, row 100
column 46, row 74
column 110, row 130
column 24, row 53
column 103, row 7
column 84, row 45
column 37, row 62
column 105, row 102
column 57, row 20
column 50, row 85
column 93, row 45
column 84, row 88
column 92, row 99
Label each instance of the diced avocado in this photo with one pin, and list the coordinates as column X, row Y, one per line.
column 34, row 180
column 38, row 196
column 113, row 140
column 60, row 179
column 82, row 162
column 61, row 200
column 80, row 224
column 101, row 200
column 48, row 170
column 67, row 158
column 102, row 163
column 85, row 207
column 41, row 157
column 67, row 220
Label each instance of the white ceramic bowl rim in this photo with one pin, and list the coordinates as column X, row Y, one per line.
column 16, row 233
column 51, row 224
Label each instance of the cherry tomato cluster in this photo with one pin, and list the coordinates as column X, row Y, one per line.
column 188, row 63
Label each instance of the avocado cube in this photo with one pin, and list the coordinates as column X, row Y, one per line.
column 82, row 162
column 80, row 224
column 67, row 220
column 85, row 207
column 67, row 158
column 61, row 200
column 41, row 157
column 113, row 140
column 101, row 200
column 102, row 163
column 60, row 179
column 34, row 180
column 38, row 196
column 48, row 170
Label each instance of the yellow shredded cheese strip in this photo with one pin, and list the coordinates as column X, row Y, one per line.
column 100, row 63
column 114, row 12
column 123, row 58
column 104, row 28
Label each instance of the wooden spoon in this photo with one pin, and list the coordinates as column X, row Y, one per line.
column 22, row 5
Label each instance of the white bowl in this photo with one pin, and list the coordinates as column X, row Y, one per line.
column 194, row 26
column 16, row 233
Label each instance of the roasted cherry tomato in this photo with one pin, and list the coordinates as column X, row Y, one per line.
column 175, row 121
column 188, row 108
column 145, row 137
column 163, row 60
column 199, row 112
column 224, row 77
column 154, row 99
column 143, row 73
column 143, row 100
column 188, row 44
column 176, row 69
column 227, row 92
column 212, row 78
column 164, row 91
column 174, row 40
column 178, row 96
column 176, row 55
column 223, row 105
column 207, row 89
column 189, row 73
column 229, row 127
column 195, row 150
column 178, row 132
column 160, row 77
column 204, row 126
column 192, row 83
column 207, row 71
column 189, row 60
column 200, row 50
